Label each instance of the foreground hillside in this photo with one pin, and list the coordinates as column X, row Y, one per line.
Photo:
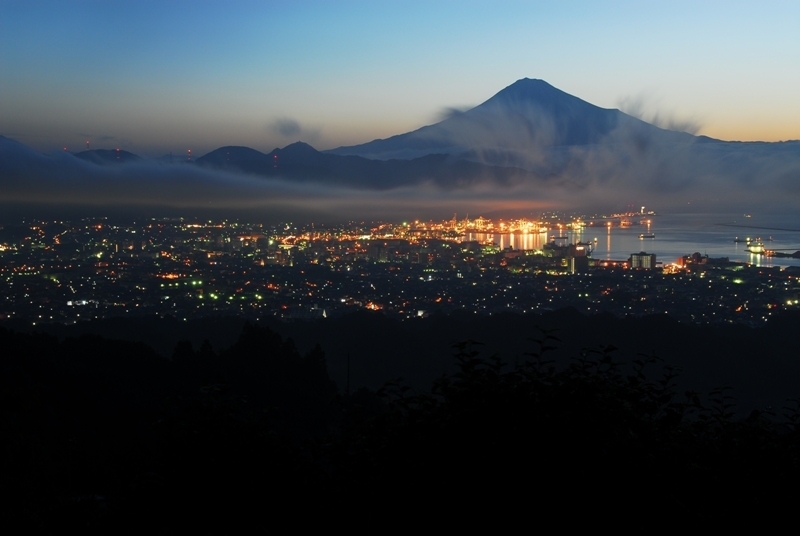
column 105, row 435
column 371, row 348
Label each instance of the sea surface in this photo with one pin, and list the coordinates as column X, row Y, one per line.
column 676, row 235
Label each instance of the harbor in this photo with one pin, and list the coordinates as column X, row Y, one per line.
column 670, row 237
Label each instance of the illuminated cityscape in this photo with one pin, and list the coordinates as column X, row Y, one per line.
column 60, row 271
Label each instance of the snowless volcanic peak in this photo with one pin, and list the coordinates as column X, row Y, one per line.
column 528, row 114
column 537, row 93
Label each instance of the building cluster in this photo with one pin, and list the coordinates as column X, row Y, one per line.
column 94, row 268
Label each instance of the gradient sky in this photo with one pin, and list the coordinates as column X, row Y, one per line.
column 160, row 77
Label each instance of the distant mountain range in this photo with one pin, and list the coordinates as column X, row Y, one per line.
column 107, row 156
column 300, row 161
column 529, row 137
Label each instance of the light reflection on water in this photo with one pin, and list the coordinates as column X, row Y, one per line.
column 676, row 235
column 515, row 241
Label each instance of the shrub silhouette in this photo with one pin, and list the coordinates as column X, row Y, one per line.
column 596, row 437
column 103, row 435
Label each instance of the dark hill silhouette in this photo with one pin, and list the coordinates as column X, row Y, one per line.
column 236, row 158
column 752, row 360
column 106, row 436
column 10, row 148
column 300, row 161
column 108, row 156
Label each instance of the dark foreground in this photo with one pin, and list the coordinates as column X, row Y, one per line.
column 108, row 436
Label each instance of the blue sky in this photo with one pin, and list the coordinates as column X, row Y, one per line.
column 158, row 77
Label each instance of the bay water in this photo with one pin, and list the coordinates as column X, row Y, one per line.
column 675, row 235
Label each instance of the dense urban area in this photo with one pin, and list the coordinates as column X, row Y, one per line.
column 62, row 271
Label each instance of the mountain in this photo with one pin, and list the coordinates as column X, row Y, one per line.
column 107, row 156
column 527, row 115
column 595, row 152
column 236, row 158
column 300, row 161
column 530, row 145
column 14, row 154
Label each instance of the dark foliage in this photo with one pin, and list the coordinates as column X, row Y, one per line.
column 594, row 440
column 105, row 436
